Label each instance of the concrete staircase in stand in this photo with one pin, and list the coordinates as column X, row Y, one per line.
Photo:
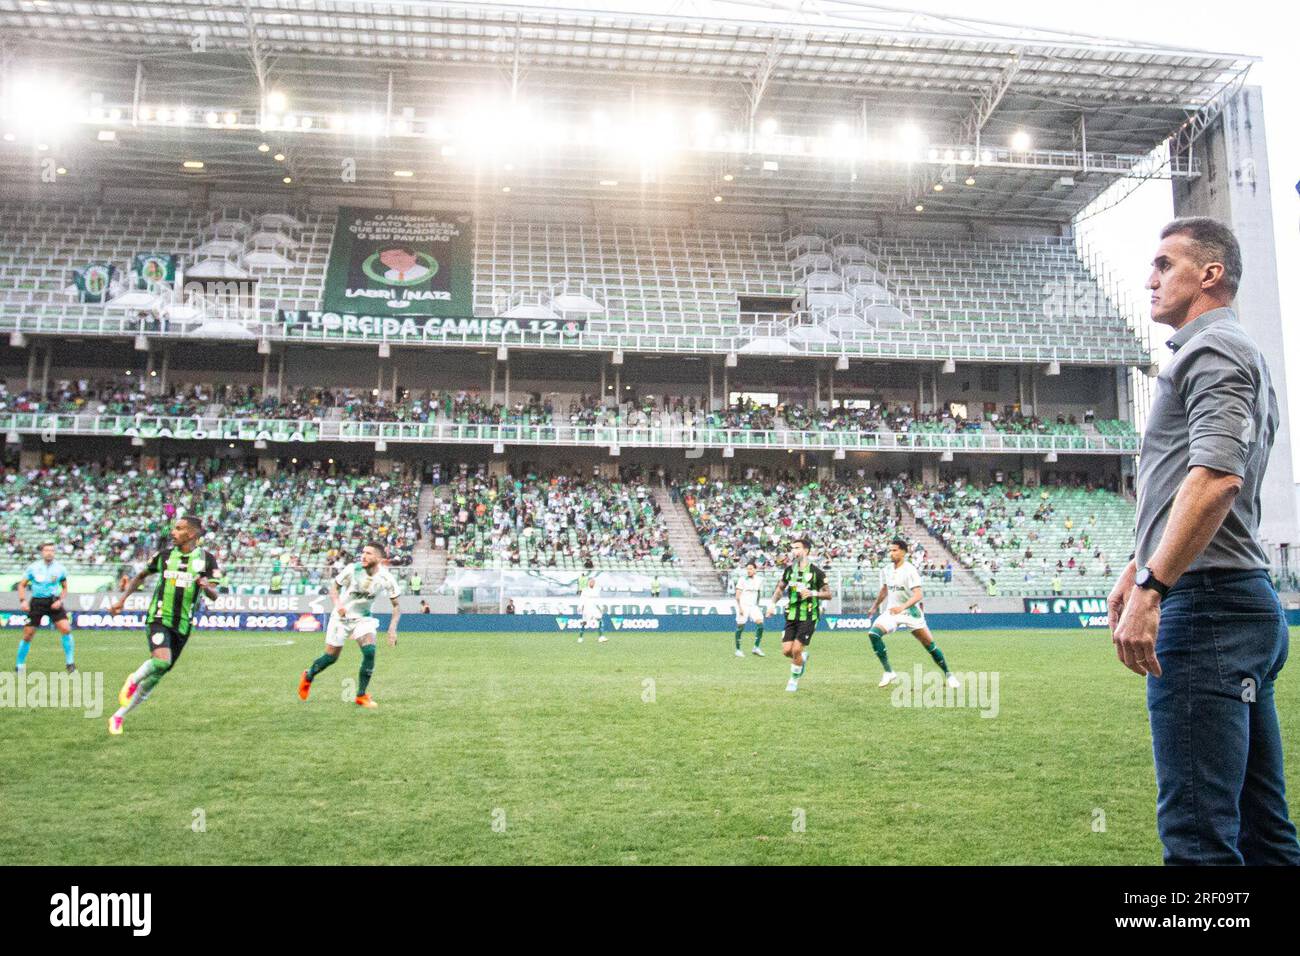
column 963, row 581
column 431, row 562
column 694, row 561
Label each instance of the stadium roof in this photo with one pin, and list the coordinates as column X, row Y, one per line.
column 807, row 108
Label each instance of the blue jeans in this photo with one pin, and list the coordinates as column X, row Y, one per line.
column 1221, row 795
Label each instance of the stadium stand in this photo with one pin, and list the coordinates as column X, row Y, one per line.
column 42, row 243
column 1027, row 541
column 559, row 521
column 1011, row 300
column 851, row 525
column 106, row 519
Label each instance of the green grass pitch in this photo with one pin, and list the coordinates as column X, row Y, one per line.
column 654, row 748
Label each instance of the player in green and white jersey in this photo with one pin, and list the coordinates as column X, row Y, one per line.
column 900, row 584
column 593, row 615
column 749, row 607
column 353, row 592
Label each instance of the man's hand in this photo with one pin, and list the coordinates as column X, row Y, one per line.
column 1119, row 595
column 896, row 610
column 1135, row 637
column 392, row 637
column 25, row 606
column 56, row 603
column 117, row 606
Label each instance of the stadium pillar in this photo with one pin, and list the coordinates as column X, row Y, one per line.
column 710, row 408
column 1127, row 474
column 279, row 376
column 830, row 386
column 149, row 384
column 506, row 395
column 266, row 372
column 45, row 369
column 492, row 382
column 1234, row 188
column 1030, row 474
column 726, row 387
column 604, row 400
column 31, row 366
column 166, row 365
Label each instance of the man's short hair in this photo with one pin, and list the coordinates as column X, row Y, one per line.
column 1212, row 241
column 378, row 546
column 751, row 564
column 194, row 522
column 805, row 541
column 45, row 544
column 900, row 542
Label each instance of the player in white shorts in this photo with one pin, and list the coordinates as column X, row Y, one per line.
column 900, row 584
column 749, row 608
column 592, row 615
column 354, row 591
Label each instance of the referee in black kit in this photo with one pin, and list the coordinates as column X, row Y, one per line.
column 1195, row 611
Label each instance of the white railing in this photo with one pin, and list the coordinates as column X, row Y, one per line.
column 50, row 425
column 94, row 320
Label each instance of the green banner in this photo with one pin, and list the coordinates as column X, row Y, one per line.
column 392, row 263
column 93, row 281
column 151, row 267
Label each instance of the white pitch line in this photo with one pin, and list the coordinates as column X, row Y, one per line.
column 285, row 643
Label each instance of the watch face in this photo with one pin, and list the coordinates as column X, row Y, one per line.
column 1142, row 577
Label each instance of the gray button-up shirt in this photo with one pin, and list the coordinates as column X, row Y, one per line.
column 1214, row 406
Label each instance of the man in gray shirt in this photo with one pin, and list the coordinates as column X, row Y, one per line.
column 1195, row 611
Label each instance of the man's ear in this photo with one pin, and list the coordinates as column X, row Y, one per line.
column 1212, row 275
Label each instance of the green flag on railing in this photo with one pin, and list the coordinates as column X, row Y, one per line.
column 93, row 281
column 148, row 268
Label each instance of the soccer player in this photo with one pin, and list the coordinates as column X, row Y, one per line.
column 748, row 607
column 805, row 585
column 184, row 571
column 360, row 585
column 47, row 580
column 901, row 586
column 592, row 615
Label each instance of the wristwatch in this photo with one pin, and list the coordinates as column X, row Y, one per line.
column 1145, row 579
